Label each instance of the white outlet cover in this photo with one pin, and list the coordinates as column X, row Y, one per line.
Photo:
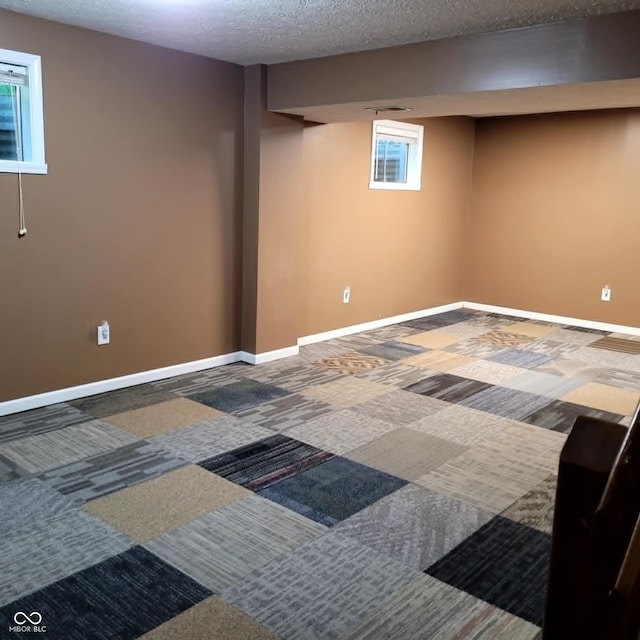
column 606, row 294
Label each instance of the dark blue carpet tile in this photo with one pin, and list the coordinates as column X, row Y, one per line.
column 560, row 416
column 393, row 350
column 504, row 563
column 448, row 387
column 260, row 464
column 334, row 490
column 440, row 320
column 240, row 395
column 118, row 599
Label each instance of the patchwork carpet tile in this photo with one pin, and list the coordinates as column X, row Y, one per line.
column 428, row 608
column 212, row 619
column 414, row 526
column 507, row 403
column 333, row 491
column 462, row 329
column 111, row 471
column 393, row 332
column 209, row 438
column 200, row 381
column 503, row 338
column 52, row 549
column 27, row 501
column 321, row 350
column 63, row 446
column 351, row 363
column 157, row 506
column 10, row 471
column 392, row 350
column 504, row 563
column 341, row 431
column 487, row 371
column 107, row 404
column 293, row 377
column 346, row 393
column 303, row 594
column 406, row 453
column 438, row 360
column 432, row 340
column 235, row 540
column 603, row 397
column 37, row 421
column 572, row 336
column 617, row 378
column 553, row 348
column 357, row 341
column 623, row 345
column 473, row 347
column 400, row 407
column 572, row 369
column 520, row 358
column 238, row 396
column 159, row 418
column 113, row 600
column 560, row 416
column 284, row 413
column 460, row 424
column 448, row 387
column 529, row 329
column 542, row 384
column 395, row 374
column 260, row 464
column 535, row 509
column 607, row 359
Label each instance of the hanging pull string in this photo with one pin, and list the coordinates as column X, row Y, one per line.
column 16, row 104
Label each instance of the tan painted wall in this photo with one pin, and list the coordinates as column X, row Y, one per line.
column 556, row 215
column 136, row 222
column 398, row 250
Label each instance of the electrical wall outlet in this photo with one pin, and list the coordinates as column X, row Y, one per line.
column 104, row 334
column 346, row 295
column 606, row 294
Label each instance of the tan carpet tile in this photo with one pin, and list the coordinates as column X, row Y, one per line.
column 604, row 397
column 211, row 619
column 622, row 345
column 162, row 417
column 432, row 340
column 438, row 360
column 504, row 339
column 157, row 506
column 405, row 453
column 535, row 509
column 351, row 363
column 487, row 371
column 346, row 393
column 530, row 329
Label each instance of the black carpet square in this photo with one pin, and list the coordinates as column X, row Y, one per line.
column 504, row 563
column 118, row 599
column 448, row 387
column 240, row 395
column 560, row 416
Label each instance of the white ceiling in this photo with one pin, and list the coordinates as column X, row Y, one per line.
column 271, row 31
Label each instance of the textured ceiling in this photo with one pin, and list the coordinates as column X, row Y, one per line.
column 270, row 31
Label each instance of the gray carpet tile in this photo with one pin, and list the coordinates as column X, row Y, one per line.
column 238, row 396
column 27, row 501
column 464, row 329
column 571, row 336
column 53, row 549
column 400, row 407
column 520, row 358
column 475, row 347
column 560, row 416
column 64, row 446
column 572, row 368
column 107, row 404
column 542, row 384
column 618, row 378
column 414, row 526
column 303, row 594
column 428, row 609
column 508, row 403
column 357, row 341
column 447, row 387
column 553, row 348
column 202, row 380
column 392, row 350
column 393, row 332
column 284, row 413
column 607, row 359
column 235, row 540
column 36, row 421
column 209, row 438
column 535, row 509
column 9, row 470
column 293, row 377
column 396, row 374
column 321, row 350
column 111, row 471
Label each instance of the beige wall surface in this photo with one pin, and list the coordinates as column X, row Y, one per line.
column 555, row 215
column 136, row 222
column 399, row 251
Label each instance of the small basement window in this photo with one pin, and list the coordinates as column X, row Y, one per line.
column 396, row 155
column 21, row 113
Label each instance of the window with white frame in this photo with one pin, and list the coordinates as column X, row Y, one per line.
column 21, row 113
column 396, row 155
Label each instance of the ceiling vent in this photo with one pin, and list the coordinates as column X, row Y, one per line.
column 378, row 110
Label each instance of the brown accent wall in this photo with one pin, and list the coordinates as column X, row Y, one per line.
column 398, row 250
column 555, row 215
column 136, row 222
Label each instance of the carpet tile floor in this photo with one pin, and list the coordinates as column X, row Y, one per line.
column 395, row 484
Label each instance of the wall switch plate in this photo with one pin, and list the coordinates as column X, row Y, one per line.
column 606, row 294
column 104, row 334
column 346, row 295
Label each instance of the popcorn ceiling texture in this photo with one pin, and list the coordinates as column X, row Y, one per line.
column 272, row 31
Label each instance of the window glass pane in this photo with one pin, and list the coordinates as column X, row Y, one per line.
column 391, row 161
column 8, row 124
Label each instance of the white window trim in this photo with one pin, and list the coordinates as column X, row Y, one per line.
column 414, row 133
column 34, row 70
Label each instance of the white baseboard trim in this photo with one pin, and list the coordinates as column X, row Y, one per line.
column 547, row 317
column 376, row 324
column 102, row 386
column 268, row 356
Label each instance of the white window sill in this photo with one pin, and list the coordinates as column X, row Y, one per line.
column 10, row 166
column 394, row 186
